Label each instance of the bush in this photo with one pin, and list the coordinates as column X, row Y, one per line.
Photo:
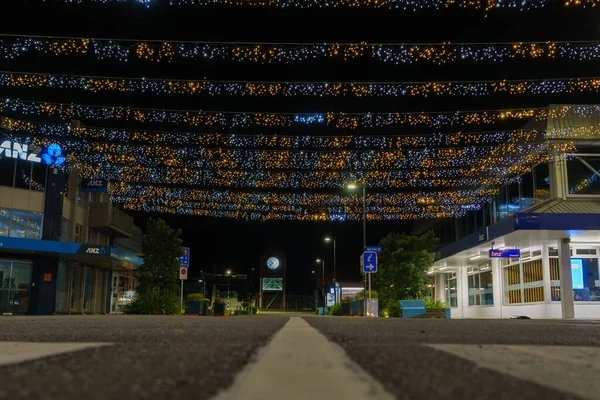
column 361, row 295
column 196, row 297
column 154, row 302
column 429, row 303
column 219, row 300
column 391, row 310
column 335, row 309
column 347, row 299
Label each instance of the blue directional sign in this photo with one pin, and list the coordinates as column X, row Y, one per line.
column 375, row 249
column 506, row 253
column 369, row 261
column 184, row 260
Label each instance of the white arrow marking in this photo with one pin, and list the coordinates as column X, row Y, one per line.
column 369, row 257
column 370, row 267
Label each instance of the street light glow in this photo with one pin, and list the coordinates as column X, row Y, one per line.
column 318, row 260
column 228, row 272
column 352, row 186
column 312, row 272
column 328, row 239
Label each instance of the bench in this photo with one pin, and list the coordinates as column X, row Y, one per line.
column 412, row 308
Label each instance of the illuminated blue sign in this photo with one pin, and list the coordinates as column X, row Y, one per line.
column 577, row 273
column 10, row 149
column 53, row 156
column 506, row 253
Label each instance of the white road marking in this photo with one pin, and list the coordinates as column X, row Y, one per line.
column 16, row 352
column 566, row 368
column 300, row 363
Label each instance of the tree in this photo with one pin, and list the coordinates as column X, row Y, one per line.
column 403, row 265
column 161, row 247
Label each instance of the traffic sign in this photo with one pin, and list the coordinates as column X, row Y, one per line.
column 374, row 249
column 183, row 273
column 369, row 262
column 184, row 260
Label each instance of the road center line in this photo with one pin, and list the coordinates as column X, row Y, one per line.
column 16, row 352
column 300, row 362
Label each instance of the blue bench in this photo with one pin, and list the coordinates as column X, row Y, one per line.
column 412, row 308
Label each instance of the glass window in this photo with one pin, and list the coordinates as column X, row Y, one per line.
column 451, row 289
column 18, row 224
column 581, row 179
column 524, row 279
column 526, row 190
column 541, row 182
column 34, row 225
column 481, row 292
column 4, row 221
column 15, row 281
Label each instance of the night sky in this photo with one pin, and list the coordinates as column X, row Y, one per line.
column 218, row 244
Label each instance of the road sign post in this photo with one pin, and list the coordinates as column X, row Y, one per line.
column 369, row 264
column 183, row 274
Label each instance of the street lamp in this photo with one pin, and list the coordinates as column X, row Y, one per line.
column 329, row 239
column 228, row 274
column 323, row 286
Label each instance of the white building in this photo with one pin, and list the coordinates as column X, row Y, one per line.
column 553, row 217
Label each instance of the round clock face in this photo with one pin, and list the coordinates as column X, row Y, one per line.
column 273, row 263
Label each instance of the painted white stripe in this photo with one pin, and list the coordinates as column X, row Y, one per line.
column 16, row 352
column 565, row 368
column 300, row 363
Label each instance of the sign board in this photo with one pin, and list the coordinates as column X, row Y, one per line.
column 577, row 273
column 183, row 273
column 184, row 260
column 93, row 185
column 506, row 253
column 369, row 262
column 375, row 249
column 94, row 250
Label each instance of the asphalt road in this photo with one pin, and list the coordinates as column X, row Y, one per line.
column 198, row 357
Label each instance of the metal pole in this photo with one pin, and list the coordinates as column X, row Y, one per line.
column 369, row 303
column 323, row 286
column 364, row 243
column 334, row 273
column 181, row 293
column 228, row 294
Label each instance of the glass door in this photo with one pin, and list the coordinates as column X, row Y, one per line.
column 76, row 289
column 88, row 290
column 15, row 283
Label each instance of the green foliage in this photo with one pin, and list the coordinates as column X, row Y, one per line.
column 361, row 295
column 154, row 302
column 431, row 303
column 196, row 297
column 347, row 299
column 335, row 309
column 161, row 248
column 219, row 300
column 403, row 265
column 391, row 309
column 246, row 297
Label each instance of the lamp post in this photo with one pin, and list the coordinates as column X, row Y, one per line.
column 228, row 274
column 317, row 284
column 323, row 284
column 364, row 218
column 329, row 239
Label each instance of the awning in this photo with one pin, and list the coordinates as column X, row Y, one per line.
column 98, row 255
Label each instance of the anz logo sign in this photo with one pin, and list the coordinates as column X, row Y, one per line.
column 10, row 149
column 96, row 250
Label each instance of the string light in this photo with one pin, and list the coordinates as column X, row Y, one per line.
column 410, row 5
column 124, row 50
column 98, row 84
column 339, row 120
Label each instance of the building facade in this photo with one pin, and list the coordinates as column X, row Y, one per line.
column 552, row 216
column 64, row 247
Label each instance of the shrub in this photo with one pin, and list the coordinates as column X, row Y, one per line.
column 391, row 310
column 196, row 297
column 429, row 303
column 335, row 309
column 219, row 300
column 361, row 295
column 347, row 299
column 154, row 302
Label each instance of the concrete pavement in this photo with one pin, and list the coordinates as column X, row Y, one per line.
column 304, row 357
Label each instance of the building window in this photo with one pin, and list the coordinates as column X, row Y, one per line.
column 524, row 279
column 585, row 274
column 34, row 225
column 481, row 292
column 451, row 289
column 4, row 221
column 64, row 230
column 78, row 233
column 21, row 224
column 18, row 223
